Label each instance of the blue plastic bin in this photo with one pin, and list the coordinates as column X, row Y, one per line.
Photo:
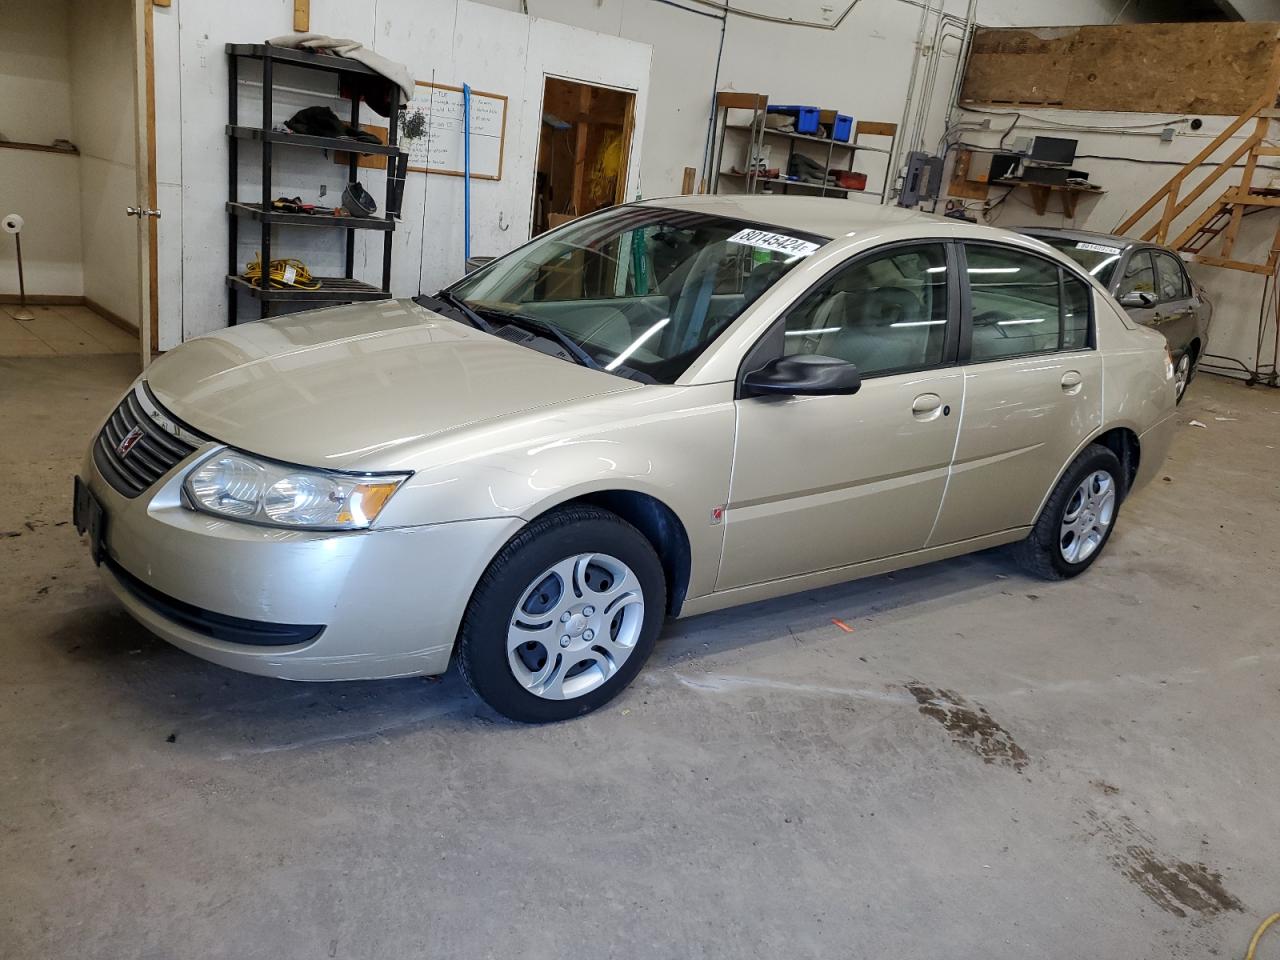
column 806, row 117
column 842, row 129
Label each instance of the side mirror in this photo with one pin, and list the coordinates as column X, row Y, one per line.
column 1137, row 298
column 803, row 375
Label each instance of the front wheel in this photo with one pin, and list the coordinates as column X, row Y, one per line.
column 1078, row 518
column 1182, row 373
column 564, row 618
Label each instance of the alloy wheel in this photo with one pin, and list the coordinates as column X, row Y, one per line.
column 1182, row 375
column 1088, row 517
column 575, row 626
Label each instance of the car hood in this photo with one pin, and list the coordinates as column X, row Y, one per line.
column 353, row 386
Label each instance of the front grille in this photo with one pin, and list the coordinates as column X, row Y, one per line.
column 155, row 453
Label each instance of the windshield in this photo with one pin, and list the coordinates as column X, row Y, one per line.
column 1098, row 257
column 643, row 291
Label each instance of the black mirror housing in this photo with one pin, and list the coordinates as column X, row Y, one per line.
column 803, row 375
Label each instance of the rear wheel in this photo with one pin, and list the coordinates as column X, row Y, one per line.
column 1078, row 518
column 564, row 618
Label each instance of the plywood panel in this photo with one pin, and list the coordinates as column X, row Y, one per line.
column 961, row 185
column 1194, row 68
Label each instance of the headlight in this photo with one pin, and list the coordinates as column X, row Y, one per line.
column 234, row 484
column 1168, row 363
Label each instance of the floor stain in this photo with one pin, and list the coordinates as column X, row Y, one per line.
column 1174, row 885
column 970, row 725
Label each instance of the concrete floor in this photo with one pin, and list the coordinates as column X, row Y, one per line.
column 1100, row 780
column 61, row 330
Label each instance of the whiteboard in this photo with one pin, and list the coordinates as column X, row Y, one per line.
column 440, row 147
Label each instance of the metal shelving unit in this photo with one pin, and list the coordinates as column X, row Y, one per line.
column 757, row 132
column 344, row 289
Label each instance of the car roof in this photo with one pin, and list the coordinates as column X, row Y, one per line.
column 1088, row 236
column 823, row 216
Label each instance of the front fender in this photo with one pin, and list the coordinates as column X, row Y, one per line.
column 674, row 444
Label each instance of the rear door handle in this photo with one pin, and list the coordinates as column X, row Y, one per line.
column 1071, row 381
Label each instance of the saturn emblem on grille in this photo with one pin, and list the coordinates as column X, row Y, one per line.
column 129, row 442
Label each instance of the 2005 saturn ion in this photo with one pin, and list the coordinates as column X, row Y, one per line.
column 659, row 410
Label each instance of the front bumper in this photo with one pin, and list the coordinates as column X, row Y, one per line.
column 368, row 604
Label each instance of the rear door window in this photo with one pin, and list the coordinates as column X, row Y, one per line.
column 1015, row 303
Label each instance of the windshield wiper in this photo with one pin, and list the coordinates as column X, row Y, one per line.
column 548, row 330
column 453, row 300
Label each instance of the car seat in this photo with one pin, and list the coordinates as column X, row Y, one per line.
column 867, row 328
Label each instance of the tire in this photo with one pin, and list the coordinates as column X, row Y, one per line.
column 565, row 563
column 1184, row 370
column 1047, row 551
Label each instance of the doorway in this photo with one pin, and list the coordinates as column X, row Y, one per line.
column 73, row 162
column 583, row 147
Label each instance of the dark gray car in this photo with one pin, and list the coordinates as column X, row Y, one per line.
column 1151, row 284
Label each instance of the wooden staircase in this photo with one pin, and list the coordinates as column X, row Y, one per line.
column 1222, row 217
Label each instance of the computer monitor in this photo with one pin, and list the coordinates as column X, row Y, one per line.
column 1004, row 166
column 1053, row 150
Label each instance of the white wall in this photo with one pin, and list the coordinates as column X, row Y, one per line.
column 35, row 107
column 102, row 108
column 862, row 68
column 450, row 41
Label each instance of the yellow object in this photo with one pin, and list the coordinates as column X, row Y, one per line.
column 1257, row 934
column 287, row 273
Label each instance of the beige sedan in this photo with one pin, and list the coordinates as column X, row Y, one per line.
column 660, row 410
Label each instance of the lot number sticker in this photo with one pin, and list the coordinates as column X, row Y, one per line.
column 1098, row 248
column 774, row 241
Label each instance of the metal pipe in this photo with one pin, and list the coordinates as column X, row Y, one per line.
column 962, row 62
column 926, row 90
column 931, row 84
column 930, row 73
column 23, row 313
column 894, row 158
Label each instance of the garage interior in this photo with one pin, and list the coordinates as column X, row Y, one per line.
column 953, row 758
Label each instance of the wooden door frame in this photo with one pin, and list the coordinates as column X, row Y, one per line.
column 146, row 189
column 628, row 136
column 153, row 190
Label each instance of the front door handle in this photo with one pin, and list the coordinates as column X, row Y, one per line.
column 1071, row 381
column 927, row 406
